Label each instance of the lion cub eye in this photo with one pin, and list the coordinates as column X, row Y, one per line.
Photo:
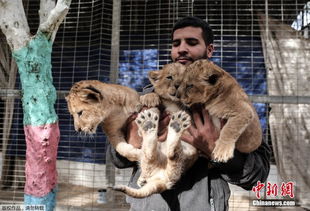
column 169, row 77
column 188, row 87
column 80, row 113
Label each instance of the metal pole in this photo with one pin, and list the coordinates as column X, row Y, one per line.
column 116, row 17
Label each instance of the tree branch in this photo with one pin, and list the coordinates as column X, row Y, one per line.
column 45, row 8
column 14, row 24
column 55, row 18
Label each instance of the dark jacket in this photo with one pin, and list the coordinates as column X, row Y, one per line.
column 201, row 188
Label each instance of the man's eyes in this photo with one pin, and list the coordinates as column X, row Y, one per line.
column 192, row 42
column 175, row 43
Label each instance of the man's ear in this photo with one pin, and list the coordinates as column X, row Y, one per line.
column 210, row 50
column 154, row 76
column 90, row 95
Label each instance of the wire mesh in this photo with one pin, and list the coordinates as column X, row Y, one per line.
column 84, row 49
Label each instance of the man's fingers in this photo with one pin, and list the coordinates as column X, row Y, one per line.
column 163, row 115
column 163, row 123
column 132, row 136
column 206, row 116
column 197, row 118
column 131, row 118
column 187, row 138
column 163, row 137
column 162, row 129
column 192, row 130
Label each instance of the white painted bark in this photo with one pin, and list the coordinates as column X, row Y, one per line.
column 13, row 23
column 54, row 19
column 45, row 8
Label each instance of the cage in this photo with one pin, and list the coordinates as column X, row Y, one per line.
column 264, row 44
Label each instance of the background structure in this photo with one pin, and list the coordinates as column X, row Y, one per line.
column 120, row 41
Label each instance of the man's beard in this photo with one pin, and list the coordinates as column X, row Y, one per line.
column 190, row 59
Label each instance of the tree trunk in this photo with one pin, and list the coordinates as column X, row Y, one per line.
column 33, row 57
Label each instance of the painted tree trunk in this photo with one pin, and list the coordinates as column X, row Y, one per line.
column 33, row 58
column 40, row 121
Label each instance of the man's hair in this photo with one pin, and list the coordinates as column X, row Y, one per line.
column 207, row 32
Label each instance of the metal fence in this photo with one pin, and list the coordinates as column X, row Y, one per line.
column 119, row 42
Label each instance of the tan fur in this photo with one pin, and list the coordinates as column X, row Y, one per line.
column 208, row 84
column 92, row 102
column 163, row 162
column 166, row 83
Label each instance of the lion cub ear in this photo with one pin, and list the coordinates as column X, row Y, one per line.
column 214, row 73
column 213, row 79
column 154, row 76
column 90, row 95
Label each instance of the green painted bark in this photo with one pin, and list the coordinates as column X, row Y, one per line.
column 38, row 92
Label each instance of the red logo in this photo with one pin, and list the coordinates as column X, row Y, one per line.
column 286, row 189
column 258, row 188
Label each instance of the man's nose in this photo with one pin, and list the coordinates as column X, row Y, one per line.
column 182, row 48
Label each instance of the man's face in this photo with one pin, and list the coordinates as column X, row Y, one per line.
column 188, row 45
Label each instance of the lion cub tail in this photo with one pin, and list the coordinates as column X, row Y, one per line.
column 145, row 191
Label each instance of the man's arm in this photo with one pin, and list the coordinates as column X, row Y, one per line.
column 118, row 160
column 245, row 170
column 132, row 138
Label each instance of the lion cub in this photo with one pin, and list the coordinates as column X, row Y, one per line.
column 92, row 102
column 208, row 84
column 162, row 163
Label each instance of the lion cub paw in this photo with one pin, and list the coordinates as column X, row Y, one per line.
column 150, row 100
column 147, row 121
column 180, row 121
column 223, row 151
column 141, row 181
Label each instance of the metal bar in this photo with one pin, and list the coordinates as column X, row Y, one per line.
column 280, row 99
column 116, row 17
column 115, row 44
column 14, row 93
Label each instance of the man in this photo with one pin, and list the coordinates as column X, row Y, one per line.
column 200, row 188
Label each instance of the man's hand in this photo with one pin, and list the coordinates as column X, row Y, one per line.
column 163, row 126
column 132, row 136
column 135, row 140
column 203, row 133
